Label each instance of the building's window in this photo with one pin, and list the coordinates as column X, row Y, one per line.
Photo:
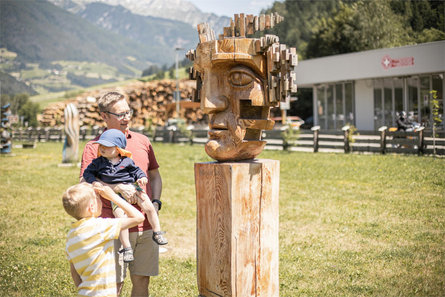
column 335, row 105
column 321, row 107
column 378, row 106
column 425, row 113
column 388, row 111
column 331, row 107
column 413, row 99
column 438, row 87
column 339, row 106
column 398, row 95
column 409, row 94
column 349, row 103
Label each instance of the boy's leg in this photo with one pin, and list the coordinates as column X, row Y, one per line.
column 126, row 251
column 121, row 266
column 150, row 211
column 124, row 237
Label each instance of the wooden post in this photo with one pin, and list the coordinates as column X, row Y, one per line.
column 30, row 134
column 237, row 228
column 347, row 146
column 421, row 143
column 191, row 137
column 382, row 131
column 316, row 129
column 47, row 134
column 83, row 132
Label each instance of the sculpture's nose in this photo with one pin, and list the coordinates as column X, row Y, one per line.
column 213, row 104
column 213, row 100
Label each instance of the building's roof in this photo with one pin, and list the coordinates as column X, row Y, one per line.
column 387, row 62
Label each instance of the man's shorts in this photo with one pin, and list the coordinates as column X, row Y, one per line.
column 146, row 256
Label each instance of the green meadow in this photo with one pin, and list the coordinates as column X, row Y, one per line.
column 350, row 225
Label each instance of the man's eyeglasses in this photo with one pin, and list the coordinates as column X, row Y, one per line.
column 122, row 115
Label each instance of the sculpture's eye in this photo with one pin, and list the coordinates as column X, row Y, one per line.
column 239, row 78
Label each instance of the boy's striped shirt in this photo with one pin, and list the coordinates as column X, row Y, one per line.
column 90, row 248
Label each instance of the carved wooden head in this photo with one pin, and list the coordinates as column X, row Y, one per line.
column 238, row 80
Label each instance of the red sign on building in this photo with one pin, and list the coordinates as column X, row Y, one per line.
column 388, row 62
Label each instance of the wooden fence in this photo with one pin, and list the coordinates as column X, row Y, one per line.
column 315, row 140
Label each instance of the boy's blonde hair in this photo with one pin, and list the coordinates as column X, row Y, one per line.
column 76, row 198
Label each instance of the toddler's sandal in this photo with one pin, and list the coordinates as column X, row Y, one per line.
column 128, row 254
column 159, row 238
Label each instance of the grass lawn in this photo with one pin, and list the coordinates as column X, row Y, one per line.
column 350, row 225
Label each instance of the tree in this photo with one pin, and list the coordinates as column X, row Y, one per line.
column 300, row 17
column 160, row 75
column 17, row 102
column 362, row 25
column 29, row 113
column 150, row 70
column 425, row 17
column 322, row 28
column 22, row 106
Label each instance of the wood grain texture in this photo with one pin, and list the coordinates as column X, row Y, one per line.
column 237, row 228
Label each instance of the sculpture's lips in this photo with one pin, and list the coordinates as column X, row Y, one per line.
column 216, row 132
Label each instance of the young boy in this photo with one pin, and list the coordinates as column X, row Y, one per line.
column 114, row 165
column 90, row 242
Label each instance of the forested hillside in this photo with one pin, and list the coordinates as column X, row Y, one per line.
column 51, row 49
column 329, row 27
column 9, row 85
column 40, row 32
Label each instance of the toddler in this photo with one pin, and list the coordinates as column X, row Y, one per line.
column 114, row 165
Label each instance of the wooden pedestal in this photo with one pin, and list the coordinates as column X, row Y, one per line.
column 237, row 228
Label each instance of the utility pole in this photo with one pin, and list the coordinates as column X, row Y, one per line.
column 177, row 93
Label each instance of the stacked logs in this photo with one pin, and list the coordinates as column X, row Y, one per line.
column 152, row 104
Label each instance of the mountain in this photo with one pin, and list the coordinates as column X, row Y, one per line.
column 53, row 50
column 41, row 32
column 144, row 29
column 179, row 10
column 10, row 86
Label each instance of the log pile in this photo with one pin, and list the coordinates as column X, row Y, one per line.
column 152, row 104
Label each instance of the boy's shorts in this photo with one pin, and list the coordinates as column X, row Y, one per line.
column 114, row 206
column 146, row 256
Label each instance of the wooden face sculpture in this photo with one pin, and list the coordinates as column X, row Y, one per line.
column 238, row 80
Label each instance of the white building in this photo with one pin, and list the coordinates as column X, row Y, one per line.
column 368, row 88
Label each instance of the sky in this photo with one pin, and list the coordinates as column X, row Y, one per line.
column 230, row 7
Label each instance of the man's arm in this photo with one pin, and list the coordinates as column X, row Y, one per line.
column 76, row 277
column 135, row 217
column 156, row 185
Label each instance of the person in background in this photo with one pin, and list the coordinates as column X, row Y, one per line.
column 402, row 122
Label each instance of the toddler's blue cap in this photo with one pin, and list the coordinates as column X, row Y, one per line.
column 113, row 137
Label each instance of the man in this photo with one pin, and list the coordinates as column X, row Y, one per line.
column 403, row 124
column 116, row 113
